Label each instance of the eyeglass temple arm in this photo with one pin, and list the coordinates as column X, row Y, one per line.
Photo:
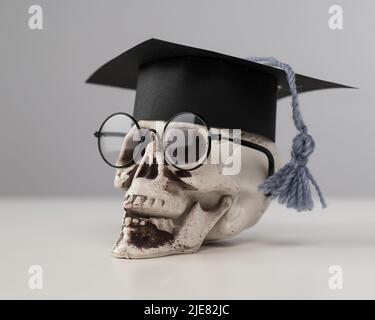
column 117, row 134
column 109, row 134
column 268, row 154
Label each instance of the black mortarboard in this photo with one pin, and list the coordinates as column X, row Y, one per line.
column 228, row 92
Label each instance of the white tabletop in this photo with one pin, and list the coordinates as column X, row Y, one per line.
column 286, row 255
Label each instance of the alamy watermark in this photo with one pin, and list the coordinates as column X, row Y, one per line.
column 336, row 277
column 336, row 18
column 35, row 280
column 35, row 20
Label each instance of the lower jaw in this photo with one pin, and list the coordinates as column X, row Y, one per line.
column 147, row 241
column 126, row 251
column 186, row 238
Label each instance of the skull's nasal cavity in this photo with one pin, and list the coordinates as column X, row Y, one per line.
column 148, row 171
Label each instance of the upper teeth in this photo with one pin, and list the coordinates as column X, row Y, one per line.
column 135, row 201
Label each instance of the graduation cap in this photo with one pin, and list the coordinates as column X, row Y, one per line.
column 228, row 92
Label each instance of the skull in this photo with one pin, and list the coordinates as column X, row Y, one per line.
column 171, row 211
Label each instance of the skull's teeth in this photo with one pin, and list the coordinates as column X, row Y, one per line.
column 162, row 224
column 149, row 202
column 143, row 201
column 165, row 224
column 129, row 199
column 127, row 221
column 159, row 203
column 139, row 200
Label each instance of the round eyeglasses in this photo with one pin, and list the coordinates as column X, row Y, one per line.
column 186, row 141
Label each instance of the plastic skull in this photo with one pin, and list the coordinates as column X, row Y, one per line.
column 170, row 211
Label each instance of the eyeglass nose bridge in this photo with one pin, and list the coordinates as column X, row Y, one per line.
column 154, row 133
column 157, row 139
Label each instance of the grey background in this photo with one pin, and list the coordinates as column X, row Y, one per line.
column 48, row 113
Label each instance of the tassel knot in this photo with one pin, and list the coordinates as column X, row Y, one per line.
column 303, row 147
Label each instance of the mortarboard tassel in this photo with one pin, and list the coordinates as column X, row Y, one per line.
column 291, row 183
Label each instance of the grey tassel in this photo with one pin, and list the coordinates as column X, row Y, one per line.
column 291, row 184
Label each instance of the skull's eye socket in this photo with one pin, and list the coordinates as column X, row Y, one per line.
column 186, row 141
column 119, row 136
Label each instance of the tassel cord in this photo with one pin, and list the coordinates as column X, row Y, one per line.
column 291, row 182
